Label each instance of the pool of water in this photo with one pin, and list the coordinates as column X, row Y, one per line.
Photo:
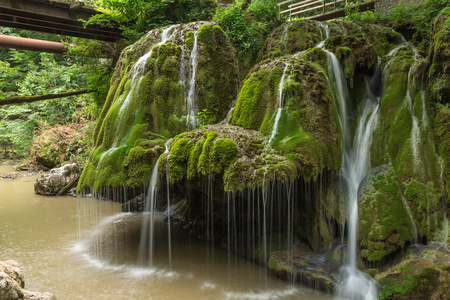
column 90, row 251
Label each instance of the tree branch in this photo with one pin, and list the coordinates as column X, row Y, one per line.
column 27, row 99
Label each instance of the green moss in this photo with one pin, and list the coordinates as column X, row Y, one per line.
column 278, row 265
column 442, row 136
column 178, row 158
column 189, row 40
column 384, row 223
column 216, row 90
column 290, row 38
column 194, row 157
column 224, row 153
column 204, row 161
column 410, row 285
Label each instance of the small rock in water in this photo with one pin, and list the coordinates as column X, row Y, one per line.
column 53, row 182
column 134, row 205
column 12, row 284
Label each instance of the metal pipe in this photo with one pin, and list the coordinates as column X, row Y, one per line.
column 31, row 44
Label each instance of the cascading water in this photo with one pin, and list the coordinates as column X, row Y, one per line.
column 280, row 105
column 355, row 284
column 148, row 224
column 136, row 75
column 190, row 100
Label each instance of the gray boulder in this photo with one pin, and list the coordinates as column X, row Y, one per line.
column 12, row 284
column 53, row 182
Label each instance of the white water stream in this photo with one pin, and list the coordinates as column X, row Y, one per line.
column 136, row 74
column 355, row 165
column 148, row 225
column 280, row 104
column 190, row 100
column 355, row 284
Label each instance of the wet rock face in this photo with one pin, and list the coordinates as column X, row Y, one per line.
column 384, row 221
column 318, row 270
column 439, row 59
column 423, row 275
column 12, row 284
column 158, row 86
column 53, row 182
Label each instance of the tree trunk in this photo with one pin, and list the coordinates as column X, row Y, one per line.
column 27, row 99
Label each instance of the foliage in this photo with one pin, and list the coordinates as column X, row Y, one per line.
column 413, row 20
column 136, row 17
column 202, row 118
column 25, row 73
column 248, row 28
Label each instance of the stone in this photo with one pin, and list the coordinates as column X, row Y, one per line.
column 424, row 274
column 12, row 284
column 317, row 270
column 51, row 183
column 134, row 205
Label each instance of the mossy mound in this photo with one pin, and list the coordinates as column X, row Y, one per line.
column 384, row 222
column 442, row 136
column 422, row 276
column 233, row 153
column 147, row 101
column 290, row 38
column 383, row 39
column 293, row 37
column 404, row 130
column 439, row 59
column 354, row 54
column 308, row 130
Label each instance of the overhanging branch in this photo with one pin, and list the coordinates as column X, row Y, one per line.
column 27, row 99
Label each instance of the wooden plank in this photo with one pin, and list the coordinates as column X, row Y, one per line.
column 42, row 17
column 320, row 6
column 284, row 2
column 57, row 31
column 308, row 4
column 341, row 12
column 297, row 4
column 67, row 28
column 306, row 10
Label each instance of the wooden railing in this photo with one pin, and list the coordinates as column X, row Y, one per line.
column 311, row 8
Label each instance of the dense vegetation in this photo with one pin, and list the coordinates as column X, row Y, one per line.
column 90, row 63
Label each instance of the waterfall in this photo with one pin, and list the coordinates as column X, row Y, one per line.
column 280, row 105
column 148, row 224
column 323, row 35
column 190, row 100
column 136, row 74
column 355, row 284
column 415, row 133
column 169, row 239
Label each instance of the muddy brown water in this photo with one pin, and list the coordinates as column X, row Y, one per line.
column 78, row 252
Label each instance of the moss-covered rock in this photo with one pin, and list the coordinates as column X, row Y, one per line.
column 439, row 59
column 317, row 270
column 310, row 144
column 404, row 130
column 146, row 103
column 442, row 136
column 354, row 54
column 293, row 37
column 423, row 276
column 384, row 222
column 234, row 153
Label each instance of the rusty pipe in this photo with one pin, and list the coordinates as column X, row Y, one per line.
column 31, row 44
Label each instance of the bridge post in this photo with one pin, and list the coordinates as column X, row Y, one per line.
column 334, row 4
column 323, row 10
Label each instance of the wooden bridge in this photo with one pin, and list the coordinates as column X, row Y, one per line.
column 53, row 16
column 320, row 10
